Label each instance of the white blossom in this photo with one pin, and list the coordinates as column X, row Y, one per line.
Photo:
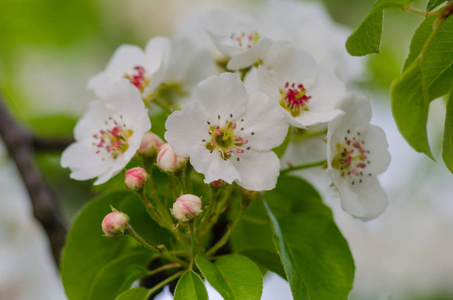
column 108, row 135
column 356, row 154
column 143, row 69
column 307, row 25
column 291, row 78
column 228, row 134
column 238, row 37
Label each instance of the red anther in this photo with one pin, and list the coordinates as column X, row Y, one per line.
column 217, row 127
column 350, row 151
column 361, row 165
column 108, row 148
column 348, row 142
column 229, row 151
column 362, row 157
column 292, row 85
column 356, row 144
column 213, row 143
column 116, row 144
column 245, row 141
column 218, row 132
column 233, row 126
column 240, row 150
column 300, row 86
column 355, row 172
column 286, row 85
column 362, row 150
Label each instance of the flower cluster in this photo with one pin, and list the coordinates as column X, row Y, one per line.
column 274, row 84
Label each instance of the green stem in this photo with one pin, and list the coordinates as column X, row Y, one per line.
column 307, row 135
column 225, row 237
column 163, row 268
column 302, row 167
column 162, row 105
column 421, row 12
column 163, row 283
column 209, row 211
column 193, row 242
column 130, row 231
column 150, row 209
column 181, row 182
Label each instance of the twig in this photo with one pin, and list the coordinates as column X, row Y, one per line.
column 19, row 143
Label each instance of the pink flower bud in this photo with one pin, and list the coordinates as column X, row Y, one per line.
column 136, row 178
column 168, row 160
column 218, row 184
column 150, row 144
column 186, row 208
column 114, row 223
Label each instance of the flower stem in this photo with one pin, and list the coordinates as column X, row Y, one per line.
column 161, row 249
column 302, row 167
column 150, row 209
column 307, row 135
column 421, row 12
column 130, row 231
column 163, row 268
column 193, row 240
column 162, row 104
column 225, row 237
column 163, row 283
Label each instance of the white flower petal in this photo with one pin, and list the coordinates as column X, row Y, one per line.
column 313, row 117
column 259, row 170
column 213, row 166
column 379, row 156
column 250, row 56
column 157, row 51
column 265, row 120
column 222, row 95
column 186, row 129
column 366, row 200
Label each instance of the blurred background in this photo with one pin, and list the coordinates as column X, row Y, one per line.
column 49, row 49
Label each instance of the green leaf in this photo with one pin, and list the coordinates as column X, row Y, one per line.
column 294, row 195
column 122, row 271
column 410, row 110
column 447, row 147
column 432, row 4
column 138, row 293
column 366, row 39
column 429, row 76
column 86, row 251
column 190, row 287
column 234, row 277
column 418, row 40
column 316, row 257
column 269, row 260
column 437, row 61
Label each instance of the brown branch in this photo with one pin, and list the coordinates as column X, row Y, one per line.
column 40, row 143
column 45, row 209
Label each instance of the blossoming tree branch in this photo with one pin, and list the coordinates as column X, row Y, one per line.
column 208, row 146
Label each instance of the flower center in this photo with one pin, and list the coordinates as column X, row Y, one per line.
column 294, row 98
column 113, row 140
column 138, row 78
column 351, row 158
column 244, row 41
column 225, row 138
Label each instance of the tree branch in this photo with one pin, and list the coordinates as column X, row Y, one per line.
column 19, row 143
